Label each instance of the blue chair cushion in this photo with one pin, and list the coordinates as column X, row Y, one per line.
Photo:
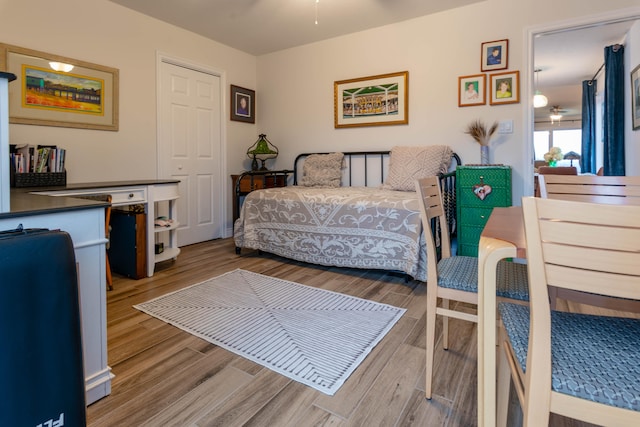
column 461, row 273
column 593, row 357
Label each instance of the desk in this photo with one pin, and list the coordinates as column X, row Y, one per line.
column 125, row 193
column 503, row 237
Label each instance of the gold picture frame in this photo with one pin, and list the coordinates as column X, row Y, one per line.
column 85, row 97
column 472, row 90
column 504, row 88
column 372, row 101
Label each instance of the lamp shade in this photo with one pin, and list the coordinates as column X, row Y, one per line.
column 539, row 100
column 261, row 150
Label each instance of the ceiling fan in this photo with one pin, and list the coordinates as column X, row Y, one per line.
column 556, row 113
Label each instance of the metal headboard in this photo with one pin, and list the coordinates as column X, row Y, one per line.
column 379, row 158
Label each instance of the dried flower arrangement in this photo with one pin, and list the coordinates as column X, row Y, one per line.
column 480, row 132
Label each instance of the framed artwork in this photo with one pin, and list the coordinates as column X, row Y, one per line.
column 472, row 90
column 243, row 104
column 52, row 90
column 372, row 101
column 494, row 55
column 504, row 88
column 635, row 98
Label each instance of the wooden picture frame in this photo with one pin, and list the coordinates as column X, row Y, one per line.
column 86, row 97
column 243, row 104
column 472, row 90
column 494, row 55
column 635, row 98
column 372, row 101
column 504, row 88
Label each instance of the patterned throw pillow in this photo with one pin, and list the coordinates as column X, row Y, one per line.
column 407, row 164
column 322, row 170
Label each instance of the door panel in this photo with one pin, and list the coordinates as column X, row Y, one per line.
column 189, row 149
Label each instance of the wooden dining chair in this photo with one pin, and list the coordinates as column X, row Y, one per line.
column 577, row 365
column 455, row 277
column 620, row 190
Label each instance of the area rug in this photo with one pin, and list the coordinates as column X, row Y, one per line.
column 309, row 335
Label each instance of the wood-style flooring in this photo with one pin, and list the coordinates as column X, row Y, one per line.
column 167, row 377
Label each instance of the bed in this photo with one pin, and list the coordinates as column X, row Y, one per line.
column 352, row 209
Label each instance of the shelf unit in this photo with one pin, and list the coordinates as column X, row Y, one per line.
column 168, row 196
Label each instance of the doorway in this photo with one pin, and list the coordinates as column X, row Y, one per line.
column 190, row 146
column 567, row 30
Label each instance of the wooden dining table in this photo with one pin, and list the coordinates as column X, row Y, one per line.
column 503, row 237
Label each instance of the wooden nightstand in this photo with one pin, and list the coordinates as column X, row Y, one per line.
column 244, row 183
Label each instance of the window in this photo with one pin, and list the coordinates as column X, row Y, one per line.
column 566, row 139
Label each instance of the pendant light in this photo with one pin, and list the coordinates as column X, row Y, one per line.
column 539, row 100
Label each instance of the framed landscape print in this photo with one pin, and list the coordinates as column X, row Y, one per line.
column 494, row 55
column 635, row 98
column 504, row 88
column 372, row 101
column 52, row 90
column 472, row 90
column 243, row 104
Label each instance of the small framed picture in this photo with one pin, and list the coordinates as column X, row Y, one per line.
column 504, row 88
column 635, row 98
column 472, row 90
column 243, row 104
column 494, row 55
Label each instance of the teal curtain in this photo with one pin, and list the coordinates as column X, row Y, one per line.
column 588, row 159
column 614, row 110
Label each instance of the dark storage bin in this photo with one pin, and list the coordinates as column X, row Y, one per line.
column 39, row 179
column 128, row 243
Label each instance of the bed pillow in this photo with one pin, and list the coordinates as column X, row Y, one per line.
column 407, row 164
column 322, row 170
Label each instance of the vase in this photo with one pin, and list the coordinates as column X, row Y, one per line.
column 552, row 163
column 484, row 154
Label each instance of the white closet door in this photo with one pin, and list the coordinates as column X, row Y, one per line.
column 190, row 147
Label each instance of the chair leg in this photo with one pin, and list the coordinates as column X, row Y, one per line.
column 432, row 299
column 504, row 383
column 445, row 326
column 109, row 278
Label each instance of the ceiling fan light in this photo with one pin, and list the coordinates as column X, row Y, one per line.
column 555, row 117
column 539, row 100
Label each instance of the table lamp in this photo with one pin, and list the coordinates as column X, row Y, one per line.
column 261, row 150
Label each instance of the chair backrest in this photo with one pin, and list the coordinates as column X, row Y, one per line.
column 560, row 170
column 621, row 190
column 579, row 246
column 432, row 210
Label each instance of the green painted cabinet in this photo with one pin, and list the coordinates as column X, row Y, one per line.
column 478, row 190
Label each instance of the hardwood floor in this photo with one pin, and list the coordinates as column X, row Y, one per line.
column 167, row 377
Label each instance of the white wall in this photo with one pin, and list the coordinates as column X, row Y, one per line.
column 296, row 85
column 104, row 33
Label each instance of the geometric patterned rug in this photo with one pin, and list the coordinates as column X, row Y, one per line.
column 310, row 335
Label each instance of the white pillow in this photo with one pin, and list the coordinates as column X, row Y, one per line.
column 322, row 170
column 407, row 164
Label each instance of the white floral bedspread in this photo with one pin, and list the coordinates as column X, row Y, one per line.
column 360, row 227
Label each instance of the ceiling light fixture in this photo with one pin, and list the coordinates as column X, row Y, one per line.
column 61, row 66
column 555, row 115
column 539, row 100
column 317, row 1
